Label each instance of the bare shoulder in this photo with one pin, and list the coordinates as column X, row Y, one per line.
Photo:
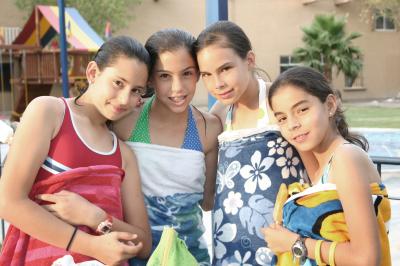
column 220, row 111
column 128, row 156
column 353, row 163
column 45, row 109
column 214, row 126
column 124, row 126
column 209, row 127
column 45, row 104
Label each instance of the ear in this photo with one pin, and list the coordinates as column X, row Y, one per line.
column 332, row 104
column 92, row 70
column 251, row 59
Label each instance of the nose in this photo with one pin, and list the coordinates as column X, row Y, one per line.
column 177, row 85
column 219, row 83
column 124, row 97
column 293, row 123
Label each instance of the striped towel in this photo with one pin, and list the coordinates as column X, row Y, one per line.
column 100, row 184
column 317, row 212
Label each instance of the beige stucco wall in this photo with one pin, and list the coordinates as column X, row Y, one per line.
column 10, row 15
column 151, row 16
column 274, row 27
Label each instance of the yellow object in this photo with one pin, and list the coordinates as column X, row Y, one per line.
column 280, row 201
column 317, row 253
column 327, row 220
column 332, row 249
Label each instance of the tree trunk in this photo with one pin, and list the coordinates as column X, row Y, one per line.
column 328, row 72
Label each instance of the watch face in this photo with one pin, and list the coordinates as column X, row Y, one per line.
column 297, row 251
column 106, row 229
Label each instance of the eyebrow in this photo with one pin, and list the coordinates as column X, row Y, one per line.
column 294, row 106
column 219, row 68
column 224, row 65
column 122, row 78
column 183, row 70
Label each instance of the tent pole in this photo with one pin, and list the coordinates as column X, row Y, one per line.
column 37, row 26
column 63, row 49
column 215, row 11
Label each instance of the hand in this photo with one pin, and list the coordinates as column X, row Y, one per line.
column 116, row 247
column 278, row 238
column 73, row 208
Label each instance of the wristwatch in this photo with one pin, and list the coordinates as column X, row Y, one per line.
column 105, row 226
column 299, row 250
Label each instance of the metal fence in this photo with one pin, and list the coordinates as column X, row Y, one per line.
column 8, row 34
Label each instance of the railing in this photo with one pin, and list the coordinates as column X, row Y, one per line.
column 382, row 160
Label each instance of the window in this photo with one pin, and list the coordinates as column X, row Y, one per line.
column 354, row 83
column 383, row 22
column 286, row 62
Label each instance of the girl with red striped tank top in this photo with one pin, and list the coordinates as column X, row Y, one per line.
column 69, row 186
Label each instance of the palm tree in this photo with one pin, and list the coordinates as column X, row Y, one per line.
column 326, row 46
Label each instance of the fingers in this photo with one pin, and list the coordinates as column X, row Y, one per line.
column 47, row 197
column 64, row 193
column 132, row 248
column 125, row 236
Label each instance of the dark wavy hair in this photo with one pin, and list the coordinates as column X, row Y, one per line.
column 314, row 83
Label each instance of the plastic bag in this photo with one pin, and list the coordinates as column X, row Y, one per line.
column 171, row 251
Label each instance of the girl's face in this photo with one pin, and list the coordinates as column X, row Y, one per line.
column 225, row 74
column 118, row 87
column 303, row 119
column 174, row 79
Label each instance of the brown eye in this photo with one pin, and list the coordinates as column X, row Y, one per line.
column 118, row 83
column 188, row 73
column 302, row 110
column 164, row 76
column 281, row 120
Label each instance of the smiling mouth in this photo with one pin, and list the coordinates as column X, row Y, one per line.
column 178, row 100
column 226, row 94
column 301, row 138
column 118, row 110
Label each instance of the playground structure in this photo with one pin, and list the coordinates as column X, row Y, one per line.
column 30, row 66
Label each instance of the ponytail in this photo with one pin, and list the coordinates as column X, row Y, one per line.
column 343, row 129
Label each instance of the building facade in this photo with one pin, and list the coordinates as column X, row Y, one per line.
column 274, row 27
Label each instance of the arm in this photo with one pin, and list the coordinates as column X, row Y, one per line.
column 214, row 128
column 220, row 111
column 350, row 172
column 69, row 206
column 42, row 119
column 134, row 208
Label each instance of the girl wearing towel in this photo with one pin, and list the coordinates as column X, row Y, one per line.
column 176, row 144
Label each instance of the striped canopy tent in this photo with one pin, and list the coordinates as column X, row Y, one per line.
column 43, row 24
